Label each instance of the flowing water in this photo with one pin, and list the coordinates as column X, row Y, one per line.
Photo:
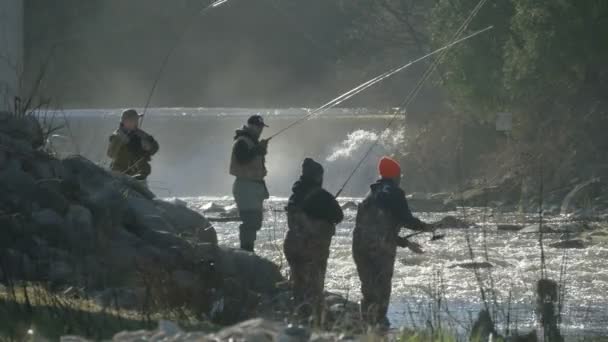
column 192, row 165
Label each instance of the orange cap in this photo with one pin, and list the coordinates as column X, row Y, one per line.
column 389, row 168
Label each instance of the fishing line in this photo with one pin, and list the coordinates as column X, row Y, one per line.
column 165, row 61
column 411, row 96
column 366, row 85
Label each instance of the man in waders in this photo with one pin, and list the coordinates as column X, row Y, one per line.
column 131, row 149
column 248, row 165
column 312, row 215
column 380, row 217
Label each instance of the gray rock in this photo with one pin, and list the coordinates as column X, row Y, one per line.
column 350, row 205
column 80, row 226
column 294, row 333
column 146, row 214
column 509, row 227
column 473, row 265
column 185, row 280
column 259, row 274
column 185, row 220
column 569, row 244
column 212, row 207
column 255, row 330
column 535, row 229
column 451, row 222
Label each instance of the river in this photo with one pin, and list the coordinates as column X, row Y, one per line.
column 192, row 165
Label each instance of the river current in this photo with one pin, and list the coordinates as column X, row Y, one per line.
column 422, row 280
column 192, row 165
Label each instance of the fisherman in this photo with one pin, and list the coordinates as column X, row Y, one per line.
column 312, row 215
column 380, row 217
column 248, row 165
column 131, row 149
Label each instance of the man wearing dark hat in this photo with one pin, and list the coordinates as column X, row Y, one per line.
column 131, row 149
column 248, row 165
column 312, row 216
column 380, row 217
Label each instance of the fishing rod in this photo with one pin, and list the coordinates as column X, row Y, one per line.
column 390, row 123
column 366, row 85
column 165, row 61
column 412, row 95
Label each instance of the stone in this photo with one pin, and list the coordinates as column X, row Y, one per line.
column 184, row 280
column 80, row 223
column 185, row 220
column 255, row 330
column 212, row 207
column 231, row 211
column 294, row 333
column 350, row 205
column 259, row 274
column 47, row 194
column 535, row 229
column 473, row 265
column 451, row 222
column 569, row 244
column 147, row 215
column 509, row 227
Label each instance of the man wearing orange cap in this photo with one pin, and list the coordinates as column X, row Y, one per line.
column 375, row 239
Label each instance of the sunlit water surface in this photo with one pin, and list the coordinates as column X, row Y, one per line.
column 418, row 279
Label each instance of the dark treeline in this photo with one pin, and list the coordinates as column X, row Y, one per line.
column 544, row 62
column 263, row 53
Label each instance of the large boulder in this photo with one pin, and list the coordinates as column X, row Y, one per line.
column 186, row 220
column 256, row 273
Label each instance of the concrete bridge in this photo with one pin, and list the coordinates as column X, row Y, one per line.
column 11, row 50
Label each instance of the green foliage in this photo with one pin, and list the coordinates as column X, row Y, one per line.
column 539, row 52
column 475, row 79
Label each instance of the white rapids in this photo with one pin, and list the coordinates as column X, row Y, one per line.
column 420, row 280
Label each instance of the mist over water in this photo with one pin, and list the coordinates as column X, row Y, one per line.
column 195, row 146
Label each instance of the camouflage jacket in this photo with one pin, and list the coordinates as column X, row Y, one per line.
column 131, row 151
column 381, row 216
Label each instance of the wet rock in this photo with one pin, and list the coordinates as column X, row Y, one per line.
column 231, row 211
column 294, row 333
column 350, row 205
column 473, row 265
column 451, row 222
column 47, row 194
column 146, row 215
column 255, row 330
column 535, row 229
column 569, row 244
column 509, row 227
column 212, row 207
column 600, row 233
column 185, row 220
column 259, row 274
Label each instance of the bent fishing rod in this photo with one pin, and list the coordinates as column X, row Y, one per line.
column 366, row 85
column 165, row 60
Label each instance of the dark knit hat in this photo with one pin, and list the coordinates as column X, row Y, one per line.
column 311, row 169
